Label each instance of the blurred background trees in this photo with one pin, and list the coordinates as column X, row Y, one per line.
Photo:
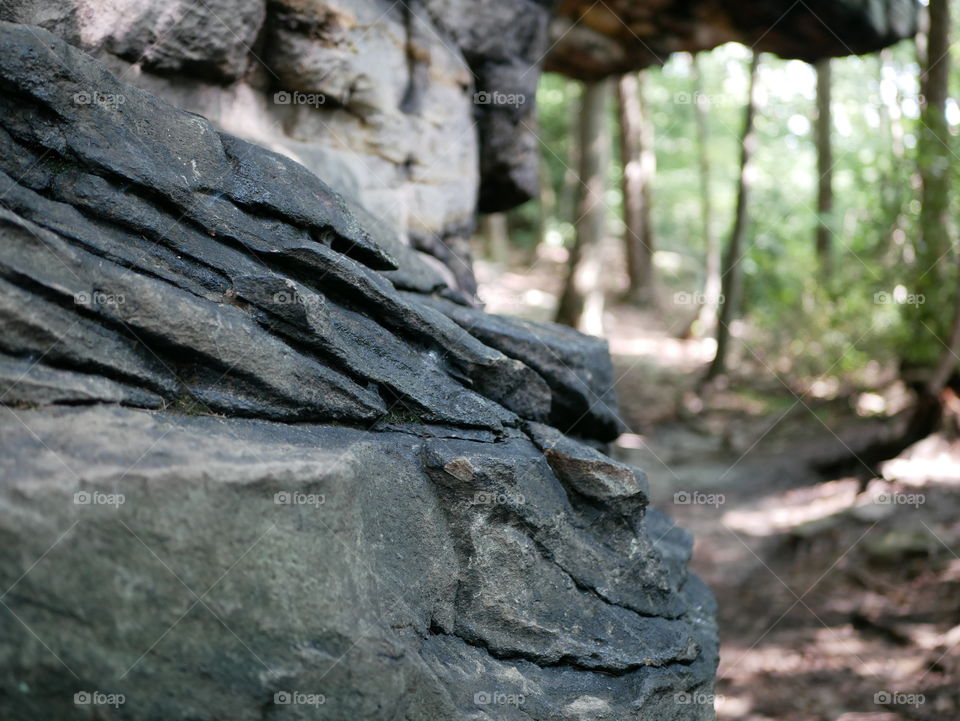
column 833, row 215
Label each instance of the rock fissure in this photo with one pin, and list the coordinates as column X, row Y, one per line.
column 571, row 663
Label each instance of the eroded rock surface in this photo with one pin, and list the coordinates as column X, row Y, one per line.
column 411, row 577
column 260, row 461
column 418, row 111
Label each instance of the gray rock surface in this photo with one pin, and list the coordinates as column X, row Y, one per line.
column 202, row 566
column 212, row 38
column 259, row 462
column 572, row 364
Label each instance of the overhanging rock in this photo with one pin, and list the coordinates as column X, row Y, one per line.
column 593, row 40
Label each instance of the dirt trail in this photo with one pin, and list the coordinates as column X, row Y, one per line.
column 834, row 604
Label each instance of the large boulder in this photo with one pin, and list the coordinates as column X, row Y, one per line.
column 261, row 462
column 203, row 568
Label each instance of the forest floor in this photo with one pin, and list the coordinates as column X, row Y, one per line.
column 838, row 583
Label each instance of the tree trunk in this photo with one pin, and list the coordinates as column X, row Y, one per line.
column 548, row 202
column 891, row 183
column 712, row 282
column 824, row 126
column 581, row 305
column 732, row 270
column 496, row 237
column 639, row 166
column 935, row 168
column 569, row 188
column 934, row 242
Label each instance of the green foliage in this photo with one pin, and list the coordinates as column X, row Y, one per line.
column 888, row 298
column 803, row 320
column 881, row 289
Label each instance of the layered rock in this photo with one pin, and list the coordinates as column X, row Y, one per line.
column 418, row 111
column 261, row 461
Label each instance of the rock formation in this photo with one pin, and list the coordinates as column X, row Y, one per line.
column 254, row 449
column 262, row 456
column 389, row 102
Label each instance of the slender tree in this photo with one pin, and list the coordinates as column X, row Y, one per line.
column 933, row 241
column 892, row 131
column 569, row 187
column 935, row 167
column 712, row 281
column 548, row 201
column 824, row 126
column 496, row 236
column 639, row 165
column 732, row 270
column 935, row 232
column 581, row 304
